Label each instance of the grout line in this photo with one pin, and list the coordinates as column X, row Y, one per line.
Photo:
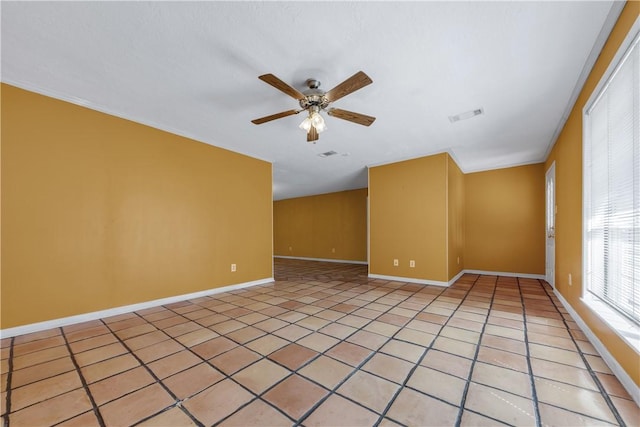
column 532, row 382
column 594, row 377
column 463, row 401
column 96, row 410
column 9, row 377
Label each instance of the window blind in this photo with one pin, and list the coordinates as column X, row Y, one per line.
column 612, row 188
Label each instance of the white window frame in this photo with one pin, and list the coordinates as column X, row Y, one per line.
column 625, row 328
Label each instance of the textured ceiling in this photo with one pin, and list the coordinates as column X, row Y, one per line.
column 191, row 68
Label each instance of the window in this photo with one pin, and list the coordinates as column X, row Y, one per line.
column 612, row 185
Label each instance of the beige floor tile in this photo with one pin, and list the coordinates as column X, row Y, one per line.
column 271, row 325
column 504, row 344
column 52, row 411
column 136, row 406
column 502, row 378
column 45, row 389
column 550, row 340
column 349, row 353
column 403, row 350
column 245, row 335
column 267, row 344
column 107, row 368
column 158, row 351
column 261, row 375
column 234, row 360
column 576, row 399
column 87, row 419
column 146, row 340
column 416, row 409
column 257, row 414
column 460, row 334
column 174, row 363
column 628, row 410
column 89, row 343
column 191, row 339
column 252, row 318
column 338, row 411
column 214, row 347
column 292, row 332
column 598, row 364
column 313, row 323
column 571, row 358
column 31, row 346
column 118, row 385
column 470, row 419
column 389, row 367
column 318, row 342
column 563, row 373
column 135, row 331
column 41, row 356
column 369, row 390
column 503, row 359
column 553, row 416
column 380, row 328
column 503, row 406
column 193, row 380
column 368, row 339
column 353, row 321
column 99, row 354
column 502, row 331
column 437, row 384
column 174, row 417
column 217, row 402
column 337, row 330
column 415, row 337
column 295, row 396
column 447, row 363
column 459, row 348
column 326, row 371
column 39, row 372
column 613, row 386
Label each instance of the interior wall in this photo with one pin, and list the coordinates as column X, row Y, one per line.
column 455, row 218
column 100, row 212
column 326, row 226
column 567, row 154
column 408, row 218
column 504, row 217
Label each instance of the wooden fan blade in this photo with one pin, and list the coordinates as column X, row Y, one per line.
column 274, row 117
column 312, row 135
column 358, row 118
column 281, row 86
column 353, row 83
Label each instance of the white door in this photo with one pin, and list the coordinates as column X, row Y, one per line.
column 550, row 205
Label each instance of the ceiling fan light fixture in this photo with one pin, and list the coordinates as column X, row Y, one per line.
column 306, row 124
column 318, row 122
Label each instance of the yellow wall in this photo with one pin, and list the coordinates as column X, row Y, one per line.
column 455, row 218
column 567, row 153
column 329, row 226
column 504, row 217
column 408, row 218
column 100, row 212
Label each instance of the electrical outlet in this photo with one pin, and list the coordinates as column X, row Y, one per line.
column 395, row 263
column 290, row 249
column 233, row 267
column 412, row 263
column 333, row 250
column 458, row 260
column 570, row 281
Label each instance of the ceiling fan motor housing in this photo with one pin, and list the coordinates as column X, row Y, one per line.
column 314, row 97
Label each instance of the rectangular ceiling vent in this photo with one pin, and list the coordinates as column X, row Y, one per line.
column 466, row 115
column 328, row 153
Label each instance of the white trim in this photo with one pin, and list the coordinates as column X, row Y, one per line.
column 456, row 277
column 409, row 280
column 507, row 274
column 65, row 321
column 632, row 388
column 341, row 261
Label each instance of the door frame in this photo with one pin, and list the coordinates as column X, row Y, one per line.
column 550, row 229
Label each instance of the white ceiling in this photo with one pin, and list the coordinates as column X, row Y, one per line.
column 192, row 68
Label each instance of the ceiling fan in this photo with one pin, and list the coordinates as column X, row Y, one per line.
column 314, row 100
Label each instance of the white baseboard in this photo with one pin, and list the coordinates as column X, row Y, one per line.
column 507, row 274
column 627, row 382
column 456, row 277
column 65, row 321
column 409, row 280
column 342, row 261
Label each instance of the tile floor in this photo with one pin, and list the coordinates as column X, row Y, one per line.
column 323, row 346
